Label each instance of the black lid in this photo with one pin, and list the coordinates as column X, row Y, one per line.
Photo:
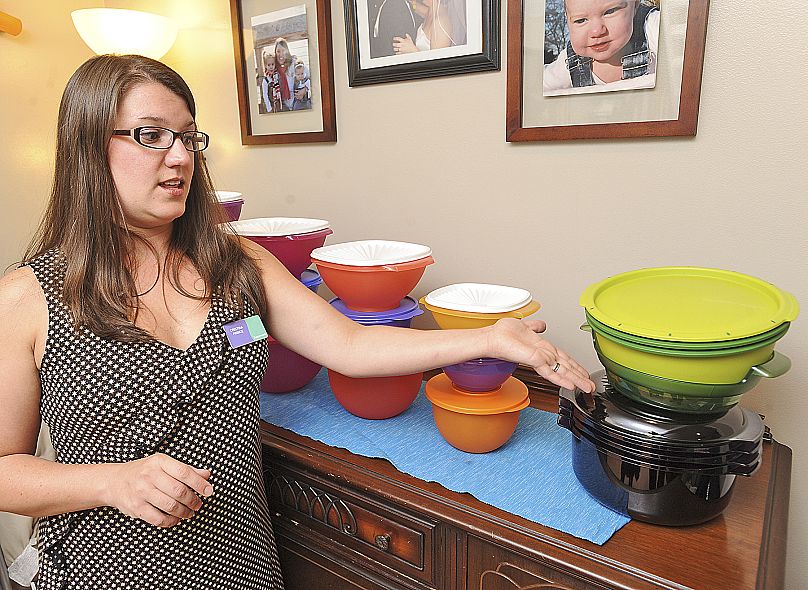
column 607, row 413
column 680, row 457
column 609, row 454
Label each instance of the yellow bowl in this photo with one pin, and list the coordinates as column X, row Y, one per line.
column 725, row 369
column 450, row 319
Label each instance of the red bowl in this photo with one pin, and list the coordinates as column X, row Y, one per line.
column 372, row 288
column 294, row 251
column 375, row 398
column 287, row 370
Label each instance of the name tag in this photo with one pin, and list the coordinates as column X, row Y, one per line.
column 245, row 331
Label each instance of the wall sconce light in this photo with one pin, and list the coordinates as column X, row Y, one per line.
column 10, row 24
column 114, row 30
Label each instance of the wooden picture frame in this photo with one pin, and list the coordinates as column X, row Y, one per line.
column 548, row 123
column 318, row 123
column 479, row 50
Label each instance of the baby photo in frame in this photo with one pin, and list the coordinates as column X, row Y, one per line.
column 599, row 45
column 667, row 105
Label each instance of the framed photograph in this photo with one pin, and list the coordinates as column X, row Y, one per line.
column 392, row 40
column 601, row 69
column 284, row 71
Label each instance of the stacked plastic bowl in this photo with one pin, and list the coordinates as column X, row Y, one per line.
column 476, row 403
column 291, row 240
column 639, row 462
column 680, row 346
column 371, row 279
column 687, row 339
column 231, row 202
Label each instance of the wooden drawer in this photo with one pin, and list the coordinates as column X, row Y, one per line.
column 359, row 528
column 493, row 568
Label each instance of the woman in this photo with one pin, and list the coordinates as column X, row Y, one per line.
column 286, row 68
column 444, row 26
column 113, row 333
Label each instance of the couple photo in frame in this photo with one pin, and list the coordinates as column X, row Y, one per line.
column 393, row 40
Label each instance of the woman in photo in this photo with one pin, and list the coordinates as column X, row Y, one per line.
column 444, row 25
column 286, row 68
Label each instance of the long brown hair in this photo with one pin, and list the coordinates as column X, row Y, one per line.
column 84, row 221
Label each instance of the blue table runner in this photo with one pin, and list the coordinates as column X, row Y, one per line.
column 530, row 476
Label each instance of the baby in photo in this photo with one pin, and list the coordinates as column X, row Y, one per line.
column 302, row 88
column 611, row 45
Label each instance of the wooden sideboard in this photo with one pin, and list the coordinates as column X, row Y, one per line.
column 344, row 521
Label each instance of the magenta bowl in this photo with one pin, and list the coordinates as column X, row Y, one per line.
column 294, row 251
column 233, row 209
column 479, row 375
column 287, row 370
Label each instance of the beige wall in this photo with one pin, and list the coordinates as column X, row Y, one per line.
column 426, row 161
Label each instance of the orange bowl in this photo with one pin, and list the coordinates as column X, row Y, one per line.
column 475, row 433
column 375, row 398
column 476, row 422
column 372, row 288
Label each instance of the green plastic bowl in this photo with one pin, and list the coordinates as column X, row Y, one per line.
column 684, row 396
column 695, row 366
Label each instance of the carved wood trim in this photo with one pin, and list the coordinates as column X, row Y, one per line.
column 314, row 503
column 544, row 583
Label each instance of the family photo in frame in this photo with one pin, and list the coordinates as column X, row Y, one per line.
column 284, row 71
column 598, row 69
column 281, row 50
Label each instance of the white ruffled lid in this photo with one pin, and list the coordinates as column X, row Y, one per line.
column 277, row 226
column 479, row 297
column 371, row 253
column 228, row 196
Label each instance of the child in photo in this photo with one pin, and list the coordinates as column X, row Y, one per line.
column 272, row 87
column 612, row 45
column 302, row 88
column 271, row 84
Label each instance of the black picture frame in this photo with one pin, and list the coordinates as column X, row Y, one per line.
column 488, row 59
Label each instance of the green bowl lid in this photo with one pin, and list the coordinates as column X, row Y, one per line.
column 689, row 304
column 707, row 353
column 600, row 327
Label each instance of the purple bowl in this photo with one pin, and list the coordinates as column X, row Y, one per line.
column 233, row 209
column 400, row 317
column 311, row 279
column 478, row 375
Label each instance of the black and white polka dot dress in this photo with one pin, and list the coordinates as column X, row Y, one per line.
column 108, row 401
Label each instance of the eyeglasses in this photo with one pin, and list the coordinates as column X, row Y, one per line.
column 160, row 138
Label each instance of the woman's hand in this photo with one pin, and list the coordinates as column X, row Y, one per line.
column 404, row 45
column 158, row 489
column 519, row 341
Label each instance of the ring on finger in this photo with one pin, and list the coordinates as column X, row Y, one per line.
column 557, row 367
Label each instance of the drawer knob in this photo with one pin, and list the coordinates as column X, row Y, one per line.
column 383, row 541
